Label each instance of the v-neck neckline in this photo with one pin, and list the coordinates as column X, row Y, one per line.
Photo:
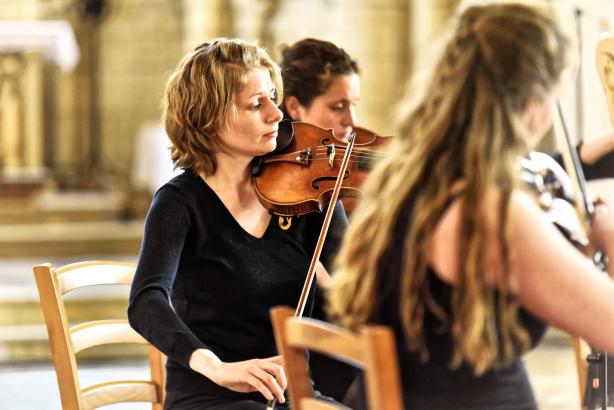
column 230, row 215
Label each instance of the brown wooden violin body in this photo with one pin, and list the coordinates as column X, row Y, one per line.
column 300, row 179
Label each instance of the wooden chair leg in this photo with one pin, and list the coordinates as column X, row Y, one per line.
column 581, row 350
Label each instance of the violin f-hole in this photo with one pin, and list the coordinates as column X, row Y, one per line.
column 315, row 184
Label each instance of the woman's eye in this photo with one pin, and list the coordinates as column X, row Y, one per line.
column 255, row 103
column 258, row 104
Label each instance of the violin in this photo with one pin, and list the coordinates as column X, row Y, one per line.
column 555, row 194
column 298, row 177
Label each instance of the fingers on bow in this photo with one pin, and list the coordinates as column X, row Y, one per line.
column 268, row 378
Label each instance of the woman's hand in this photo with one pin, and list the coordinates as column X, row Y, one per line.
column 264, row 375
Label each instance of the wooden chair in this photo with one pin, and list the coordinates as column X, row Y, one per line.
column 372, row 349
column 66, row 341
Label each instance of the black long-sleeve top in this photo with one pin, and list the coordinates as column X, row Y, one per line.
column 220, row 280
column 602, row 168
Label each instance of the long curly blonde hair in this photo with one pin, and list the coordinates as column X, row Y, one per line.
column 467, row 128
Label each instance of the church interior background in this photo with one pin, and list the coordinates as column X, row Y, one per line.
column 82, row 149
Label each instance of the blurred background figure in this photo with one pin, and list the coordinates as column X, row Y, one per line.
column 445, row 248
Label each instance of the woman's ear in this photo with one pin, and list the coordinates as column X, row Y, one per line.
column 293, row 107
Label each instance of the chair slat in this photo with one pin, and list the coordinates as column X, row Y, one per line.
column 326, row 338
column 120, row 391
column 101, row 332
column 90, row 273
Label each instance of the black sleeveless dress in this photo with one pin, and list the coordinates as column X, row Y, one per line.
column 433, row 385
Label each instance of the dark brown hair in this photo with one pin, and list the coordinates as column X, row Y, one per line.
column 309, row 66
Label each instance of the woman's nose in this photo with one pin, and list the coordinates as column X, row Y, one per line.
column 349, row 117
column 275, row 114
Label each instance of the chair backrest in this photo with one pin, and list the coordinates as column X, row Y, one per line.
column 66, row 341
column 372, row 349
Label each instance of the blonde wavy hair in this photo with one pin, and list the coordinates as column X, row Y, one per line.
column 467, row 127
column 200, row 97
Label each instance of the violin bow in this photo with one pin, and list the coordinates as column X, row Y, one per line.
column 300, row 307
column 584, row 209
column 573, row 166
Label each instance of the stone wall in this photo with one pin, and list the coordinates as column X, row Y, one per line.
column 594, row 18
column 18, row 10
column 141, row 41
column 91, row 140
column 374, row 32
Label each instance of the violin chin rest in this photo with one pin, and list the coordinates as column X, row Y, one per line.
column 285, row 135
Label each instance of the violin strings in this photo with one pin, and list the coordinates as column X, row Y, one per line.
column 360, row 155
column 364, row 154
column 320, row 153
column 326, row 159
column 352, row 155
column 360, row 150
column 322, row 157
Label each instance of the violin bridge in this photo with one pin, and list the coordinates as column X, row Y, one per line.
column 330, row 151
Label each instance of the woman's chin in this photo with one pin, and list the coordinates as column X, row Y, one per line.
column 269, row 146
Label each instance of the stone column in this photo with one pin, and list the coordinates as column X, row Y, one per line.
column 376, row 33
column 205, row 20
column 21, row 112
column 429, row 21
column 11, row 111
column 33, row 135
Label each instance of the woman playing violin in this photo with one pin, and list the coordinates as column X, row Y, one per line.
column 448, row 249
column 210, row 249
